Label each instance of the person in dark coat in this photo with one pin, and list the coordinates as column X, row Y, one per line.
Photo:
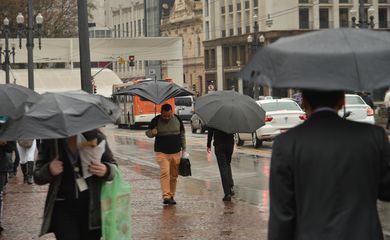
column 223, row 147
column 327, row 174
column 72, row 209
column 6, row 149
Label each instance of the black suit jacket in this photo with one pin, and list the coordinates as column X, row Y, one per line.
column 326, row 176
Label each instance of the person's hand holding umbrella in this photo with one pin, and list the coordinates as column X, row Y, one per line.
column 208, row 150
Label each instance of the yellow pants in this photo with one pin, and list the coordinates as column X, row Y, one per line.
column 169, row 170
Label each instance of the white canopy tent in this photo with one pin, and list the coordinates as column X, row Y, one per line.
column 58, row 80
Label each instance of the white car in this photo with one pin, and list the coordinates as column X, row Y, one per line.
column 357, row 110
column 280, row 115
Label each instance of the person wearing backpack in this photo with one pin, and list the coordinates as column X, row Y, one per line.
column 27, row 150
column 170, row 142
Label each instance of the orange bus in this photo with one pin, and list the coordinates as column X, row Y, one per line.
column 135, row 110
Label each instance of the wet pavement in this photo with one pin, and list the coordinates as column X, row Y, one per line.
column 200, row 212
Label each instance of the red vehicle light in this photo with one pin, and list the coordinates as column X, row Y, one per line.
column 370, row 112
column 303, row 117
column 268, row 118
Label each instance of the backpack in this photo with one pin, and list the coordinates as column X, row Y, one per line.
column 26, row 143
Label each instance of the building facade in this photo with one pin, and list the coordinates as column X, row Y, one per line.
column 184, row 19
column 228, row 24
column 126, row 20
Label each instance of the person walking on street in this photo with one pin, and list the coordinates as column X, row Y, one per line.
column 72, row 210
column 16, row 162
column 27, row 150
column 326, row 175
column 223, row 147
column 168, row 129
column 387, row 105
column 6, row 149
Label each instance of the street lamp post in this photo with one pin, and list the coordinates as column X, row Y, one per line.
column 7, row 53
column 362, row 23
column 29, row 31
column 255, row 40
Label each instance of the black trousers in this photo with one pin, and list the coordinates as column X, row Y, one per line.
column 70, row 221
column 224, row 158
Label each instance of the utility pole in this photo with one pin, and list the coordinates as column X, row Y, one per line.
column 85, row 58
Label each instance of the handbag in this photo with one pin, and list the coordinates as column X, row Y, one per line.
column 185, row 167
column 115, row 206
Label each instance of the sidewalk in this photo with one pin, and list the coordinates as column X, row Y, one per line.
column 199, row 214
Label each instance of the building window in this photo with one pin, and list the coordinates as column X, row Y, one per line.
column 231, row 8
column 207, row 31
column 324, row 18
column 123, row 29
column 212, row 58
column 143, row 27
column 255, row 3
column 344, row 1
column 115, row 31
column 239, row 31
column 223, row 9
column 248, row 29
column 303, row 18
column 223, row 33
column 206, row 8
column 344, row 18
column 234, row 56
column 131, row 29
column 119, row 30
column 127, row 29
column 139, row 28
column 247, row 4
column 199, row 46
column 238, row 6
column 242, row 55
column 382, row 17
column 226, row 57
column 231, row 32
column 206, row 59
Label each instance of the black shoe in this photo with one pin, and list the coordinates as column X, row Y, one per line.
column 167, row 201
column 232, row 191
column 172, row 201
column 30, row 180
column 227, row 198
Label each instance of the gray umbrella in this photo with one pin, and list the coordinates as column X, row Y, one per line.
column 230, row 112
column 337, row 59
column 13, row 98
column 155, row 91
column 60, row 115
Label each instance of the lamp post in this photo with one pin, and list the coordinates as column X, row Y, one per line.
column 362, row 23
column 255, row 41
column 6, row 52
column 29, row 31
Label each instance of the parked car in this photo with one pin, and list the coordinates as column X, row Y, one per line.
column 184, row 107
column 280, row 115
column 357, row 110
column 196, row 124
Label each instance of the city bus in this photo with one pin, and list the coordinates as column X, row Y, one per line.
column 135, row 110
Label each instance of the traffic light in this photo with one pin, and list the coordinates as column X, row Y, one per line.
column 94, row 88
column 131, row 61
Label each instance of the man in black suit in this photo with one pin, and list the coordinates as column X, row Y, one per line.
column 327, row 174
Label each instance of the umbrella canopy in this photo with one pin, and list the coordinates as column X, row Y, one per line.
column 230, row 112
column 155, row 91
column 14, row 97
column 60, row 115
column 336, row 59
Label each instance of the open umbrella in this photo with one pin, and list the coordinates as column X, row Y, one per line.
column 14, row 97
column 155, row 91
column 336, row 59
column 230, row 112
column 60, row 115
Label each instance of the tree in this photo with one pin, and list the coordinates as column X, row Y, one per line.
column 60, row 16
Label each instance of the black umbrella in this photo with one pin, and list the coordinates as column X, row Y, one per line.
column 60, row 115
column 337, row 59
column 155, row 91
column 230, row 112
column 14, row 97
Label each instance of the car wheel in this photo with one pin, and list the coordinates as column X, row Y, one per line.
column 256, row 142
column 238, row 141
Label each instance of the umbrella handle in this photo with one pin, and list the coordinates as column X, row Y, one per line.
column 56, row 148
